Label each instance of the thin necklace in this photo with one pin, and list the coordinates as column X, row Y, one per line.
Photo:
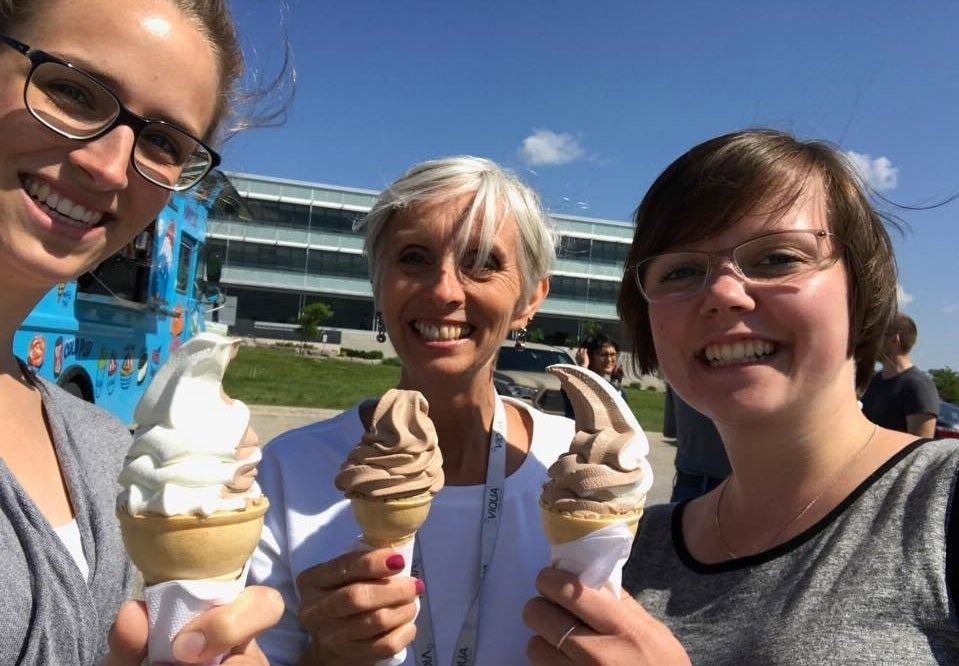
column 802, row 512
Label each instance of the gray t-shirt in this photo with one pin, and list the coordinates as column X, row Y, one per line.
column 51, row 615
column 889, row 401
column 873, row 582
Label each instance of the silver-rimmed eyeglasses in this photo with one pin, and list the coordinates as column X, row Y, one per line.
column 76, row 105
column 773, row 258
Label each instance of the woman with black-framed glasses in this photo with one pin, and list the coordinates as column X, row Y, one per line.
column 106, row 106
column 760, row 282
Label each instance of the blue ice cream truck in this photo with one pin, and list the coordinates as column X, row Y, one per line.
column 103, row 336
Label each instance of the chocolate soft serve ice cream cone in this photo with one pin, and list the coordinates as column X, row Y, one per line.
column 600, row 483
column 392, row 474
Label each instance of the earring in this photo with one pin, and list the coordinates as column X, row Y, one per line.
column 520, row 340
column 380, row 328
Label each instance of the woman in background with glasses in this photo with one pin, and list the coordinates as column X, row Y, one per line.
column 106, row 106
column 760, row 281
column 600, row 353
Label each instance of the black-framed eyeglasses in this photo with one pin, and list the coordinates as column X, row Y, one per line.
column 772, row 258
column 76, row 105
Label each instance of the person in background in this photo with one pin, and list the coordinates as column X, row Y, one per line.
column 701, row 462
column 761, row 282
column 106, row 106
column 901, row 396
column 459, row 252
column 600, row 353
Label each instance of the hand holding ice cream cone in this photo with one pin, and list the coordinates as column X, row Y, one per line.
column 190, row 509
column 391, row 476
column 592, row 504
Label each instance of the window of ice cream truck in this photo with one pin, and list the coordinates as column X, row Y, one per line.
column 185, row 264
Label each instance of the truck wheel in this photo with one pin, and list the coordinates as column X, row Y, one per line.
column 73, row 388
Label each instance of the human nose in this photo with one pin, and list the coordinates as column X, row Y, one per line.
column 106, row 159
column 726, row 288
column 447, row 287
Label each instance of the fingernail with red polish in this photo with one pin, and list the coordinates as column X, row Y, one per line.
column 395, row 562
column 420, row 587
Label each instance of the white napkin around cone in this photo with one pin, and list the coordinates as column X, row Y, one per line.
column 170, row 605
column 597, row 559
column 406, row 550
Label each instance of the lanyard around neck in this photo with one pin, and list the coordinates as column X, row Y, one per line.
column 464, row 654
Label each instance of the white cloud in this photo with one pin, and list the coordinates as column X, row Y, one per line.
column 879, row 172
column 904, row 297
column 544, row 147
column 951, row 309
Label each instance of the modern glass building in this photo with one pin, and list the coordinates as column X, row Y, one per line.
column 283, row 244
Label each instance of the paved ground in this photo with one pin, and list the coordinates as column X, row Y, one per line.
column 271, row 421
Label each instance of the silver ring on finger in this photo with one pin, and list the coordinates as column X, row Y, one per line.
column 559, row 643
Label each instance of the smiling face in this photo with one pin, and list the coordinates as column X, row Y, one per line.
column 739, row 351
column 445, row 318
column 66, row 205
column 603, row 359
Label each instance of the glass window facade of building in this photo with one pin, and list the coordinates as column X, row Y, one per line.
column 284, row 244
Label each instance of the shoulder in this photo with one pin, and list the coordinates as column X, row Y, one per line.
column 551, row 432
column 82, row 421
column 334, row 436
column 76, row 409
column 314, row 446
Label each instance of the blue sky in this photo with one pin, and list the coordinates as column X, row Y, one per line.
column 589, row 101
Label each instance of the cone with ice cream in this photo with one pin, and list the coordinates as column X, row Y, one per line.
column 392, row 474
column 190, row 508
column 599, row 486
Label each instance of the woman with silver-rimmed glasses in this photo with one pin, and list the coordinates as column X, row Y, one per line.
column 760, row 282
column 106, row 106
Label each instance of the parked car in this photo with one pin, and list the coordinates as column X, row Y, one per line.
column 947, row 425
column 521, row 373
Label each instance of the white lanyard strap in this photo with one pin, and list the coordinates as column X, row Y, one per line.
column 424, row 645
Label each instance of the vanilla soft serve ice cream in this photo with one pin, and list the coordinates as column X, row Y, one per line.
column 190, row 509
column 193, row 451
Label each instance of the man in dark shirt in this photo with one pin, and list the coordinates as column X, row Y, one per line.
column 701, row 462
column 901, row 396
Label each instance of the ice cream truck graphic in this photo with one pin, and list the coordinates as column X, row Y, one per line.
column 104, row 335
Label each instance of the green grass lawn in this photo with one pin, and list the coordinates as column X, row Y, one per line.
column 271, row 376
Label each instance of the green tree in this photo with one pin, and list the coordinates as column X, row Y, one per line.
column 947, row 381
column 310, row 319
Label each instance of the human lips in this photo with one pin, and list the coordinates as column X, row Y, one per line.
column 442, row 332
column 738, row 352
column 66, row 209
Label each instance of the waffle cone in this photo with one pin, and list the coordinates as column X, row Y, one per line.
column 561, row 527
column 393, row 522
column 188, row 547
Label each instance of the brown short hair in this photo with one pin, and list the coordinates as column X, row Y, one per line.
column 719, row 182
column 905, row 327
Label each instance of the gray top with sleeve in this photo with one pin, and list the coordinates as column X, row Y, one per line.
column 889, row 401
column 873, row 582
column 51, row 615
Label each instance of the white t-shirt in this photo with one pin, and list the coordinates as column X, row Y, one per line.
column 310, row 522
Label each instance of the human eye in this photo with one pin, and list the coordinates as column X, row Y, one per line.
column 412, row 257
column 162, row 145
column 677, row 268
column 777, row 256
column 674, row 273
column 474, row 264
column 70, row 96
